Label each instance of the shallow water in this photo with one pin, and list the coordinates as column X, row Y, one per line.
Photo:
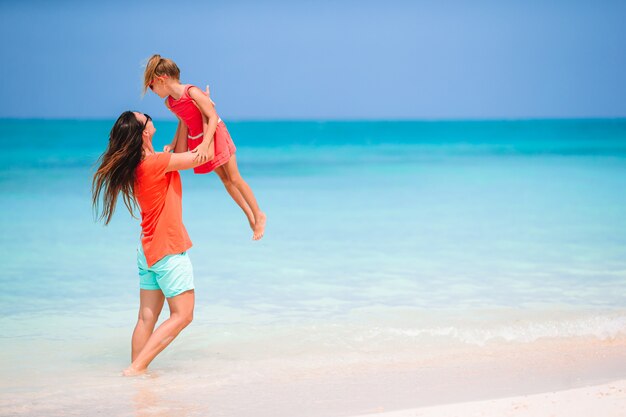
column 385, row 240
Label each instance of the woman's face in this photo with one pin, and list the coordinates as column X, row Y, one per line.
column 146, row 122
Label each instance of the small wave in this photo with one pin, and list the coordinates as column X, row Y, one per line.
column 600, row 327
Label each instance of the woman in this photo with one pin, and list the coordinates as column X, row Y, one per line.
column 150, row 179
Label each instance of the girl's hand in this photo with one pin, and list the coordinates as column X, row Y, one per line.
column 204, row 153
column 168, row 148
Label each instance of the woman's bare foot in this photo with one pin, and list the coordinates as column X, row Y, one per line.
column 259, row 227
column 130, row 371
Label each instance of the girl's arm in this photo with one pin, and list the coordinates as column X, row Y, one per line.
column 205, row 151
column 205, row 129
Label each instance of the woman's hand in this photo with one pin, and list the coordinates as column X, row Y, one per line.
column 169, row 148
column 204, row 152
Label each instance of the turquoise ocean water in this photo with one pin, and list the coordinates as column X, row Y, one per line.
column 383, row 238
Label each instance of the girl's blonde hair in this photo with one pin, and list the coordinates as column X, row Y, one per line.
column 158, row 66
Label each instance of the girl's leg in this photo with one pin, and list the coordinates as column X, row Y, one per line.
column 181, row 314
column 233, row 174
column 150, row 306
column 235, row 194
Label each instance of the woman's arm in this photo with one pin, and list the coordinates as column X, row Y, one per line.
column 181, row 161
column 181, row 138
column 179, row 143
column 205, row 150
column 171, row 146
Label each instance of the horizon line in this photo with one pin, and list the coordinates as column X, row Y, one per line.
column 338, row 120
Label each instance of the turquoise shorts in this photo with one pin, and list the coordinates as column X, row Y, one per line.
column 172, row 274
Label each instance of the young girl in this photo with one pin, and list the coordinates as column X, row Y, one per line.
column 203, row 132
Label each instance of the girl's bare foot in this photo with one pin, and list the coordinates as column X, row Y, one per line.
column 130, row 371
column 259, row 227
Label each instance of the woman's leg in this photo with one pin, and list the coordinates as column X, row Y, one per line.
column 150, row 306
column 235, row 194
column 232, row 171
column 181, row 314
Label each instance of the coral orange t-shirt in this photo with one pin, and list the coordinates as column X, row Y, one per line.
column 159, row 195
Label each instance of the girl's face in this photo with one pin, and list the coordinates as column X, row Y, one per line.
column 158, row 87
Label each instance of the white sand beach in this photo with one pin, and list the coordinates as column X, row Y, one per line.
column 548, row 377
column 606, row 400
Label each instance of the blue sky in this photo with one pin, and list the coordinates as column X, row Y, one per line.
column 320, row 60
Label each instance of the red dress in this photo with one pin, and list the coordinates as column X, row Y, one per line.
column 190, row 114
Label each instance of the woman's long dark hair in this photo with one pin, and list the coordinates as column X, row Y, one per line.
column 116, row 172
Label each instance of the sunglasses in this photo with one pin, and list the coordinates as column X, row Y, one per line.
column 161, row 77
column 151, row 85
column 148, row 118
